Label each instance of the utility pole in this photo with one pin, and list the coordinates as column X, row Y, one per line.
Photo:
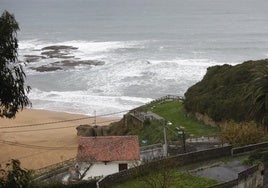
column 184, row 140
column 182, row 133
column 95, row 121
column 165, row 123
column 165, row 139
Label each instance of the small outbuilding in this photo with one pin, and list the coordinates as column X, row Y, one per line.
column 104, row 155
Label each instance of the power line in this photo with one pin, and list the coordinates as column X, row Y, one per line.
column 36, row 146
column 24, row 156
column 62, row 121
column 172, row 130
column 114, row 146
column 35, row 130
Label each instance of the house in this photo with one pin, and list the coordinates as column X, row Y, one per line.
column 104, row 155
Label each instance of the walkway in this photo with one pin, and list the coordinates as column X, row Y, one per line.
column 222, row 172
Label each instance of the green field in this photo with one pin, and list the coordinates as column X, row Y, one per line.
column 152, row 131
column 172, row 111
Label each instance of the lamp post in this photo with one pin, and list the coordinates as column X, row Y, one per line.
column 165, row 137
column 181, row 133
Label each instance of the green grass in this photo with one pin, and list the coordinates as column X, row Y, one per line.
column 175, row 179
column 173, row 111
column 153, row 131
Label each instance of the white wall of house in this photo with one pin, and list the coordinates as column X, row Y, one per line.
column 101, row 169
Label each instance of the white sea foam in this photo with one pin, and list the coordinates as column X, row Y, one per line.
column 125, row 81
column 86, row 49
column 83, row 102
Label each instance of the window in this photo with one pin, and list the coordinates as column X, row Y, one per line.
column 122, row 166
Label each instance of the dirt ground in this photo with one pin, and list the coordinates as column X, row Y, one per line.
column 40, row 145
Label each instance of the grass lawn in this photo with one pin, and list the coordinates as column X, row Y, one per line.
column 173, row 111
column 173, row 180
column 152, row 131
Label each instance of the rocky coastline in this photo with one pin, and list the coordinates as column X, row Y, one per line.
column 64, row 56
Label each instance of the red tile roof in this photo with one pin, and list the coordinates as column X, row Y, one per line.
column 108, row 148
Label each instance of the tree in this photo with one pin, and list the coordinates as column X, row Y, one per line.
column 259, row 95
column 238, row 93
column 12, row 77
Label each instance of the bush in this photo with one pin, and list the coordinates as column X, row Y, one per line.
column 13, row 176
column 241, row 134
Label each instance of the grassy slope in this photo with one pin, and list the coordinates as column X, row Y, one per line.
column 153, row 131
column 173, row 111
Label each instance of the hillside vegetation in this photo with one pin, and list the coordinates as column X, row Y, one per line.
column 228, row 92
column 152, row 131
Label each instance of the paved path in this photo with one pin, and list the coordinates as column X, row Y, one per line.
column 222, row 172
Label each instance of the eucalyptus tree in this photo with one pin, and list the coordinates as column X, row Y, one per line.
column 13, row 92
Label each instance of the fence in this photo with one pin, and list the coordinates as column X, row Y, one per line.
column 167, row 97
column 173, row 97
column 55, row 166
column 150, row 147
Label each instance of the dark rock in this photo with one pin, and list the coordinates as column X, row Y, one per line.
column 61, row 65
column 33, row 58
column 56, row 54
column 46, row 68
column 59, row 47
column 87, row 130
column 72, row 63
column 59, row 51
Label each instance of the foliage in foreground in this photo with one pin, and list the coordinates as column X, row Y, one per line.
column 12, row 77
column 226, row 92
column 241, row 134
column 13, row 176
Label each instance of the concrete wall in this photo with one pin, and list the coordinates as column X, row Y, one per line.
column 100, row 169
column 249, row 148
column 249, row 178
column 202, row 155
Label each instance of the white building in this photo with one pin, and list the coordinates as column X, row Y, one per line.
column 104, row 155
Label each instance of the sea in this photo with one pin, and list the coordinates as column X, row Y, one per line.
column 107, row 56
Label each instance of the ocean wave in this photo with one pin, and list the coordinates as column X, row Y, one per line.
column 83, row 102
column 86, row 49
column 126, row 80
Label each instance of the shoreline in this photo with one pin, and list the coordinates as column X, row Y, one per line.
column 39, row 138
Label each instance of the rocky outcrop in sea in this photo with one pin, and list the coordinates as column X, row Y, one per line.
column 64, row 56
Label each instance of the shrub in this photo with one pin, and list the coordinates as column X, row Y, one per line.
column 240, row 134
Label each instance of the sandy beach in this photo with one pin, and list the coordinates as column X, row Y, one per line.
column 37, row 144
